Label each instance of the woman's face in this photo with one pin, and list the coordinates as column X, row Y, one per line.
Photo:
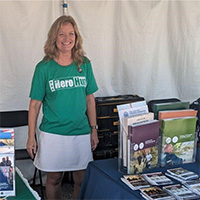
column 65, row 40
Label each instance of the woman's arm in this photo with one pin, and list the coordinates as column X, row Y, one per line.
column 91, row 112
column 34, row 108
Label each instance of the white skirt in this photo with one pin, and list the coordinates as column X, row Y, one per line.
column 58, row 153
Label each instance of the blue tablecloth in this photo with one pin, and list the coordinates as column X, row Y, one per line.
column 102, row 180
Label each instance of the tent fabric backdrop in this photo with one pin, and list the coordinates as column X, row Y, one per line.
column 149, row 48
column 146, row 48
column 23, row 30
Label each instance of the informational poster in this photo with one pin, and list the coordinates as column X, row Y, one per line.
column 7, row 162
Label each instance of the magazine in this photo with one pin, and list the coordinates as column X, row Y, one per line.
column 135, row 182
column 180, row 192
column 157, row 178
column 7, row 172
column 155, row 193
column 181, row 174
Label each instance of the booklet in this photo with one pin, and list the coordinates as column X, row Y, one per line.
column 157, row 178
column 155, row 193
column 178, row 141
column 7, row 164
column 130, row 121
column 181, row 174
column 143, row 150
column 135, row 182
column 180, row 192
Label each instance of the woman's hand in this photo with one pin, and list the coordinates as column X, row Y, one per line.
column 94, row 139
column 31, row 147
column 34, row 108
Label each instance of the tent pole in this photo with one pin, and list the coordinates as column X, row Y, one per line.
column 65, row 7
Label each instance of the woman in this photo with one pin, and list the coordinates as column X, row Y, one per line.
column 63, row 83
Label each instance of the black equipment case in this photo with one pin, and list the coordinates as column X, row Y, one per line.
column 196, row 106
column 158, row 101
column 107, row 120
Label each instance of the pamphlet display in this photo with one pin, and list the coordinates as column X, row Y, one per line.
column 176, row 129
column 7, row 164
column 162, row 138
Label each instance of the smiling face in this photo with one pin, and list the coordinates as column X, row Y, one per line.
column 65, row 40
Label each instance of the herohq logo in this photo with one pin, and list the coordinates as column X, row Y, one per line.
column 67, row 83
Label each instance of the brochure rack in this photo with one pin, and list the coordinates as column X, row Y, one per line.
column 145, row 142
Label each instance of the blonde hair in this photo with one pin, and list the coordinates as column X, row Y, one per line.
column 50, row 48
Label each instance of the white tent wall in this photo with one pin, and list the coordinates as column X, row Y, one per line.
column 146, row 48
column 149, row 48
column 23, row 30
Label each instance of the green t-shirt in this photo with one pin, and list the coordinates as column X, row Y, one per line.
column 63, row 91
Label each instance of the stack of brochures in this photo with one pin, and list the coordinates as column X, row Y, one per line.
column 135, row 182
column 180, row 192
column 193, row 185
column 181, row 174
column 157, row 178
column 155, row 193
column 138, row 181
column 160, row 186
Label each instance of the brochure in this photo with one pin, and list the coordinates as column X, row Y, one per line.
column 7, row 172
column 180, row 192
column 135, row 182
column 178, row 141
column 124, row 111
column 143, row 151
column 157, row 178
column 181, row 174
column 155, row 193
column 193, row 185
